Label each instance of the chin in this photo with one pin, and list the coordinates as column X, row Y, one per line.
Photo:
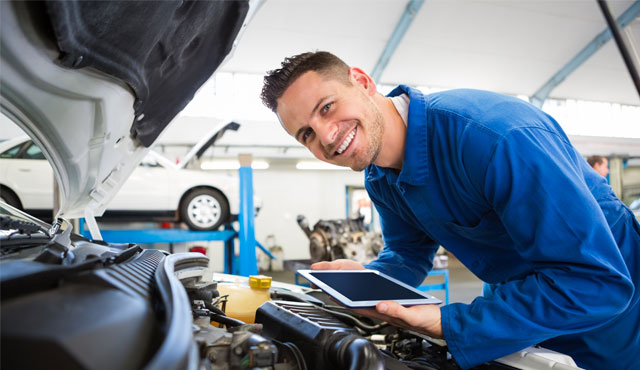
column 358, row 167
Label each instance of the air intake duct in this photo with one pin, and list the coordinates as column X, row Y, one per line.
column 325, row 342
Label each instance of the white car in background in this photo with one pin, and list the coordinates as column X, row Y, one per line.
column 158, row 189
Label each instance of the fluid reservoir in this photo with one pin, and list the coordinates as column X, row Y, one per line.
column 243, row 299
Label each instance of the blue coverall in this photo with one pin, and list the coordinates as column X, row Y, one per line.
column 496, row 182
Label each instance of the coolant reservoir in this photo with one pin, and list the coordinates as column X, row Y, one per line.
column 244, row 300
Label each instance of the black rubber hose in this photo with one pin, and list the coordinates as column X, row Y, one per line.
column 354, row 321
column 226, row 320
column 350, row 351
column 296, row 354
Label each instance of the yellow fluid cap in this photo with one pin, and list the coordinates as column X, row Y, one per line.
column 260, row 281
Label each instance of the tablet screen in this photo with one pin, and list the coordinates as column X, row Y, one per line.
column 359, row 286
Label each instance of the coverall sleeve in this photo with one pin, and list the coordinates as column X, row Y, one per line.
column 408, row 253
column 578, row 279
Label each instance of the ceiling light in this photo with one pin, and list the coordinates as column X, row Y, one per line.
column 317, row 165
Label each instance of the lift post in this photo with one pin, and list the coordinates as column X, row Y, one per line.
column 247, row 260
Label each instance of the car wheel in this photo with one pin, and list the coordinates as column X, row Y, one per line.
column 204, row 209
column 9, row 198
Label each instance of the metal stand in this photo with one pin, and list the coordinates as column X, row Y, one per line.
column 443, row 286
column 248, row 264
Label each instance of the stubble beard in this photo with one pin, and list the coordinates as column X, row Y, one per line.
column 375, row 132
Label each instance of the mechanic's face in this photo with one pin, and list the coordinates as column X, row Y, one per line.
column 339, row 123
column 603, row 167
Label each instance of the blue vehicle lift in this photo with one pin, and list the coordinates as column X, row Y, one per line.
column 440, row 286
column 245, row 264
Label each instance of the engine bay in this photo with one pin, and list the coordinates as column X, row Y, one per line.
column 79, row 304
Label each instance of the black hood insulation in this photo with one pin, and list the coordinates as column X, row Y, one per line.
column 164, row 50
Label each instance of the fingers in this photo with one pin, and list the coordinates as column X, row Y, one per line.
column 425, row 318
column 397, row 313
column 342, row 264
column 369, row 312
column 392, row 309
column 383, row 315
column 324, row 265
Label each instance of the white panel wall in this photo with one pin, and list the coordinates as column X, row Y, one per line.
column 288, row 193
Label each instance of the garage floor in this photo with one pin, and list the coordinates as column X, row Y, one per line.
column 463, row 285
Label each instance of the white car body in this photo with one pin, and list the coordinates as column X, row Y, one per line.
column 156, row 186
column 91, row 125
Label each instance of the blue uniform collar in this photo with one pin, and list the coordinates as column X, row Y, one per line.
column 415, row 163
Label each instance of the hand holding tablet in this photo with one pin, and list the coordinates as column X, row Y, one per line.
column 365, row 288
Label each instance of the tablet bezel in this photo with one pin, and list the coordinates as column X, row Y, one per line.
column 333, row 292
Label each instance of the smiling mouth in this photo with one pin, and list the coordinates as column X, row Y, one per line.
column 347, row 141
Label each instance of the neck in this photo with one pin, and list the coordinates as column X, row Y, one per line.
column 395, row 132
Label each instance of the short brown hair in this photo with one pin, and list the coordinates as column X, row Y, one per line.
column 278, row 80
column 595, row 159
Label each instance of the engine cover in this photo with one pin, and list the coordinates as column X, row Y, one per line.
column 325, row 342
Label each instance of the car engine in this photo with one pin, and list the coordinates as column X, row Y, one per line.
column 303, row 331
column 71, row 303
column 344, row 238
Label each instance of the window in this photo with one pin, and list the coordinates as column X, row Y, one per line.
column 13, row 152
column 33, row 152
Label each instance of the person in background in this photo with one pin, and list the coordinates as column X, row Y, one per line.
column 497, row 182
column 600, row 164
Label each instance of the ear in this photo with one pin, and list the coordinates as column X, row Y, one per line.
column 359, row 78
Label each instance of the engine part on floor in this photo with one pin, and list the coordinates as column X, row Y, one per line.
column 344, row 238
column 325, row 342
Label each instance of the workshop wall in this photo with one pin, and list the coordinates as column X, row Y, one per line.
column 288, row 193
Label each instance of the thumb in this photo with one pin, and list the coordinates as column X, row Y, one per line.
column 391, row 308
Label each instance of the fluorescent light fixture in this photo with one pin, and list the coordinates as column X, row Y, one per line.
column 318, row 165
column 232, row 165
column 259, row 165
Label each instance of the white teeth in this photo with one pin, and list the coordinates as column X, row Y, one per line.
column 346, row 142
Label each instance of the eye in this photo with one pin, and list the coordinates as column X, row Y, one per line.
column 306, row 134
column 326, row 107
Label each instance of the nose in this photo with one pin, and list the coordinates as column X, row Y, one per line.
column 327, row 132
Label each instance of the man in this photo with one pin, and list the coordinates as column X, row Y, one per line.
column 495, row 181
column 600, row 164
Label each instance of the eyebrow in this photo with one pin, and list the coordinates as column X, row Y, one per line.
column 315, row 108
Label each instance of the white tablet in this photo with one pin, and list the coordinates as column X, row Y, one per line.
column 365, row 288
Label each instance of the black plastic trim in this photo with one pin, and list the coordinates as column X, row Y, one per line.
column 178, row 350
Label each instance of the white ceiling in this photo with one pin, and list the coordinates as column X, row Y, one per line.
column 509, row 46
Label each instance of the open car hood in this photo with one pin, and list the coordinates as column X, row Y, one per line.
column 94, row 83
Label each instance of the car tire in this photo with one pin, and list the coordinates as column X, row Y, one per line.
column 10, row 198
column 204, row 209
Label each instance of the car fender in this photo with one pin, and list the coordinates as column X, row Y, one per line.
column 184, row 181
